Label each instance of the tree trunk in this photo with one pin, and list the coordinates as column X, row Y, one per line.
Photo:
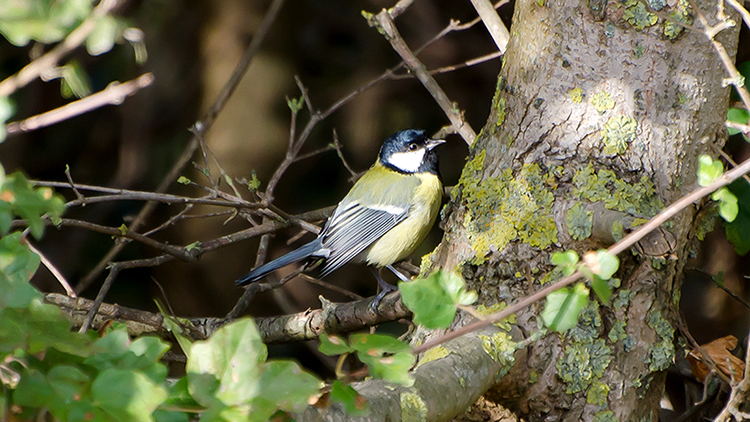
column 598, row 106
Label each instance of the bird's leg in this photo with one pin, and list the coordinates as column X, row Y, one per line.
column 398, row 273
column 385, row 287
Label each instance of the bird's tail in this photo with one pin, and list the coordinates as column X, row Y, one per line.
column 311, row 249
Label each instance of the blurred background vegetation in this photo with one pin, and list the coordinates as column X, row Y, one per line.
column 193, row 47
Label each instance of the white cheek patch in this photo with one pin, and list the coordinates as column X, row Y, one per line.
column 407, row 161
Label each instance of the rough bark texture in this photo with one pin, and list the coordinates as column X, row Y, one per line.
column 596, row 103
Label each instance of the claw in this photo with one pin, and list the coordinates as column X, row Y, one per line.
column 385, row 288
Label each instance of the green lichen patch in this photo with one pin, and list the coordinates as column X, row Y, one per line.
column 660, row 356
column 413, row 408
column 597, row 394
column 639, row 16
column 435, row 353
column 638, row 51
column 616, row 194
column 576, row 94
column 579, row 221
column 583, row 363
column 602, row 102
column 661, row 326
column 501, row 347
column 498, row 102
column 617, row 332
column 680, row 14
column 505, row 324
column 622, row 299
column 589, row 323
column 657, row 4
column 507, row 207
column 618, row 133
column 628, row 343
column 533, row 377
column 605, row 416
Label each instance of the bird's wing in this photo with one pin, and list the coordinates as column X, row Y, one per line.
column 353, row 227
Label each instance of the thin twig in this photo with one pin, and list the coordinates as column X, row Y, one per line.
column 172, row 220
column 735, row 78
column 202, row 125
column 449, row 108
column 114, row 94
column 729, row 160
column 113, row 271
column 494, row 24
column 332, row 287
column 337, row 146
column 51, row 267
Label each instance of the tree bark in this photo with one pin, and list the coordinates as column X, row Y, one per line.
column 598, row 104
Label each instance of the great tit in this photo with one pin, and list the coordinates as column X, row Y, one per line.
column 384, row 217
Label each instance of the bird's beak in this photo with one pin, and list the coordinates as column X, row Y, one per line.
column 432, row 143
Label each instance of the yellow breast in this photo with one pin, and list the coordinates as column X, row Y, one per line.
column 403, row 239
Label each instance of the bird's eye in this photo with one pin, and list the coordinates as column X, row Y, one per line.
column 412, row 146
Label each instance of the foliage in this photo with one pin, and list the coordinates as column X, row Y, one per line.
column 387, row 358
column 434, row 299
column 76, row 376
column 733, row 202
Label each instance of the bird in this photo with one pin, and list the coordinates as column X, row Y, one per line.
column 385, row 216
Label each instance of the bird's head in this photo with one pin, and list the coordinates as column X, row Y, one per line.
column 410, row 151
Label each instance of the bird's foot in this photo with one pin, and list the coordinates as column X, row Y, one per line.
column 385, row 288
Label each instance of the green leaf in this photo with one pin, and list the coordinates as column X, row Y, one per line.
column 563, row 307
column 333, row 345
column 33, row 389
column 393, row 368
column 127, row 395
column 18, row 263
column 737, row 115
column 433, row 299
column 183, row 180
column 179, row 397
column 30, row 203
column 286, row 386
column 708, row 170
column 161, row 415
column 226, row 366
column 738, row 229
column 354, row 403
column 728, row 207
column 102, row 37
column 7, row 108
column 567, row 261
column 195, row 246
column 377, row 344
column 602, row 289
column 295, row 104
column 254, row 183
column 75, row 80
column 600, row 263
column 387, row 357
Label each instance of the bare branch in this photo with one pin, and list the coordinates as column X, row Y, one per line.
column 494, row 25
column 449, row 108
column 203, row 126
column 114, row 94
